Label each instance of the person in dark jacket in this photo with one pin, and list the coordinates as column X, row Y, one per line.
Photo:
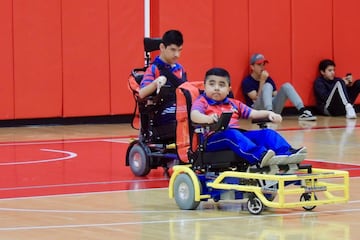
column 335, row 96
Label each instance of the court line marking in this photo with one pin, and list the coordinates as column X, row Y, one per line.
column 68, row 141
column 70, row 155
column 205, row 219
column 121, row 211
column 86, row 183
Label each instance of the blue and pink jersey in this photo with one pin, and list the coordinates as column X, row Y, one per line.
column 209, row 106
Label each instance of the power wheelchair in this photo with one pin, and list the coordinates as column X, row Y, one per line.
column 161, row 146
column 199, row 175
column 155, row 144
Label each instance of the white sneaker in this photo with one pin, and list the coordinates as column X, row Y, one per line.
column 350, row 111
column 298, row 156
column 265, row 161
column 307, row 116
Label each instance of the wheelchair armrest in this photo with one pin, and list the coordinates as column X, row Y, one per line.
column 155, row 99
column 261, row 122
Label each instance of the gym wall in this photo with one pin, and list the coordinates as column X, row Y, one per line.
column 70, row 58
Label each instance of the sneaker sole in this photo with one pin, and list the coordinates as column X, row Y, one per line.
column 308, row 119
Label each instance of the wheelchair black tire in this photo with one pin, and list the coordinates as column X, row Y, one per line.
column 138, row 161
column 307, row 197
column 254, row 205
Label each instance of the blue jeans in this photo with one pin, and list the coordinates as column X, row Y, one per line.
column 249, row 145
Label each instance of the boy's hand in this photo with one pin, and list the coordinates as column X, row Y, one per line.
column 264, row 75
column 348, row 79
column 274, row 117
column 160, row 81
column 213, row 118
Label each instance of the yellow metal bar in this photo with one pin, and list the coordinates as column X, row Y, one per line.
column 311, row 183
column 311, row 180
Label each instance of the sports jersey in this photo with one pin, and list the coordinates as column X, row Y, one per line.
column 209, row 106
column 168, row 108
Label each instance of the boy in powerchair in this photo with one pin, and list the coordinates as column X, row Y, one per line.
column 165, row 69
column 262, row 147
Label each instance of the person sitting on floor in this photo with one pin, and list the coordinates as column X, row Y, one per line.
column 260, row 92
column 334, row 95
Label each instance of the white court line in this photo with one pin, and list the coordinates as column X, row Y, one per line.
column 67, row 141
column 70, row 155
column 86, row 183
column 207, row 219
column 114, row 211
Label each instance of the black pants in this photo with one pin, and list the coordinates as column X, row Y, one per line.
column 340, row 96
column 353, row 91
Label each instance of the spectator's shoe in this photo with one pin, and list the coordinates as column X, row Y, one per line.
column 306, row 115
column 266, row 159
column 350, row 111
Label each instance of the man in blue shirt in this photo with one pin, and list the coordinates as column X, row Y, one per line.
column 260, row 91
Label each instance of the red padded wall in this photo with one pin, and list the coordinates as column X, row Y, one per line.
column 231, row 40
column 6, row 61
column 37, row 58
column 346, row 38
column 126, row 50
column 269, row 33
column 197, row 54
column 311, row 42
column 86, row 58
column 72, row 58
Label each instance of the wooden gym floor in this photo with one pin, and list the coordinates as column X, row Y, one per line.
column 70, row 182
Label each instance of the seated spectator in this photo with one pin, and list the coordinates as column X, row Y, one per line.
column 260, row 91
column 255, row 146
column 334, row 95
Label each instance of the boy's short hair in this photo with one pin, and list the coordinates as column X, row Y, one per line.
column 173, row 37
column 325, row 63
column 217, row 71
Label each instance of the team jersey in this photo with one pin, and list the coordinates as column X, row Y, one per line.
column 168, row 111
column 209, row 106
column 153, row 72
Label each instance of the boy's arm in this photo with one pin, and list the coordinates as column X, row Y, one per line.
column 152, row 87
column 253, row 95
column 198, row 117
column 320, row 91
column 258, row 114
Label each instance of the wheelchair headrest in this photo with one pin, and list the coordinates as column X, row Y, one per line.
column 151, row 44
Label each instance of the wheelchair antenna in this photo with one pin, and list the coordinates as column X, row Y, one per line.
column 150, row 45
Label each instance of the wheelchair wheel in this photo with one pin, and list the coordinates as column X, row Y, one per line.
column 307, row 197
column 138, row 161
column 254, row 205
column 184, row 192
